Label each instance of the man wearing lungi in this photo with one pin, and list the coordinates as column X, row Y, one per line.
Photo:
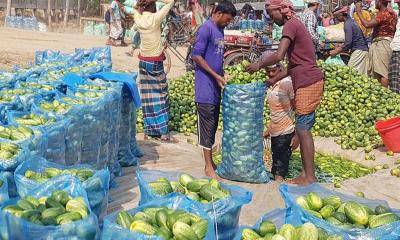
column 307, row 78
column 384, row 25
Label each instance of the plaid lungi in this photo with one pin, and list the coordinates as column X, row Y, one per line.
column 154, row 96
column 379, row 57
column 308, row 98
column 394, row 72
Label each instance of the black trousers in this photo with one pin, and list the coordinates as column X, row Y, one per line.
column 281, row 154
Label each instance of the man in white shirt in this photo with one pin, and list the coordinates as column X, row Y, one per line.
column 394, row 67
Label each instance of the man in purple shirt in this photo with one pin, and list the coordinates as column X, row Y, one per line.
column 208, row 54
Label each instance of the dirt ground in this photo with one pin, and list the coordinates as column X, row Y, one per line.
column 18, row 47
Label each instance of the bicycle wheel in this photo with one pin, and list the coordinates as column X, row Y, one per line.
column 236, row 58
column 167, row 62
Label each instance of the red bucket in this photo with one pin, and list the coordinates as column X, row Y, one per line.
column 389, row 130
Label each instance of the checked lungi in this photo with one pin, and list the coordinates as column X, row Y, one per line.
column 154, row 96
column 394, row 72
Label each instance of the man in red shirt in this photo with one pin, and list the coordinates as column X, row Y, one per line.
column 307, row 78
column 384, row 25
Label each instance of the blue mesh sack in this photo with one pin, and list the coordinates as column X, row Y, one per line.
column 109, row 103
column 96, row 186
column 12, row 227
column 277, row 216
column 12, row 188
column 113, row 231
column 23, row 136
column 47, row 56
column 115, row 110
column 225, row 212
column 125, row 155
column 53, row 133
column 296, row 215
column 7, row 105
column 11, row 155
column 3, row 189
column 242, row 142
column 91, row 142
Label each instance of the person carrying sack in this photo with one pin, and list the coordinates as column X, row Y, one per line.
column 354, row 41
column 384, row 25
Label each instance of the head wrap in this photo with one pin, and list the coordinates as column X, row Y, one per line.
column 343, row 9
column 285, row 7
column 311, row 1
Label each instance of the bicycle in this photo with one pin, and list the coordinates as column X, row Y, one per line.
column 177, row 34
column 246, row 48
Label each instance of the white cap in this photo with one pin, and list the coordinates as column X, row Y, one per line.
column 311, row 1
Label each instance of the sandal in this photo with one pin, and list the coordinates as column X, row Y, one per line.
column 169, row 139
column 152, row 137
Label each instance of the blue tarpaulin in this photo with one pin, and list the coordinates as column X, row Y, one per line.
column 129, row 79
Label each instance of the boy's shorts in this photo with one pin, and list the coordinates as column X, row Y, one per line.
column 207, row 124
column 306, row 121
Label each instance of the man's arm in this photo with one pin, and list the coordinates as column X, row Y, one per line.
column 364, row 22
column 275, row 58
column 199, row 60
column 199, row 49
column 163, row 12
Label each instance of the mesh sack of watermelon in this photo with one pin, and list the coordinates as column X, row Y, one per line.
column 42, row 89
column 273, row 223
column 95, row 182
column 12, row 227
column 115, row 111
column 46, row 56
column 125, row 155
column 55, row 138
column 112, row 230
column 225, row 212
column 11, row 155
column 7, row 106
column 90, row 140
column 242, row 142
column 12, row 188
column 23, row 136
column 100, row 55
column 3, row 189
column 52, row 138
column 353, row 217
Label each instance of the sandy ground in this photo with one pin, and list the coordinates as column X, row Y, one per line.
column 18, row 47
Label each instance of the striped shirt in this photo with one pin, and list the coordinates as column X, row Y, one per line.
column 279, row 98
